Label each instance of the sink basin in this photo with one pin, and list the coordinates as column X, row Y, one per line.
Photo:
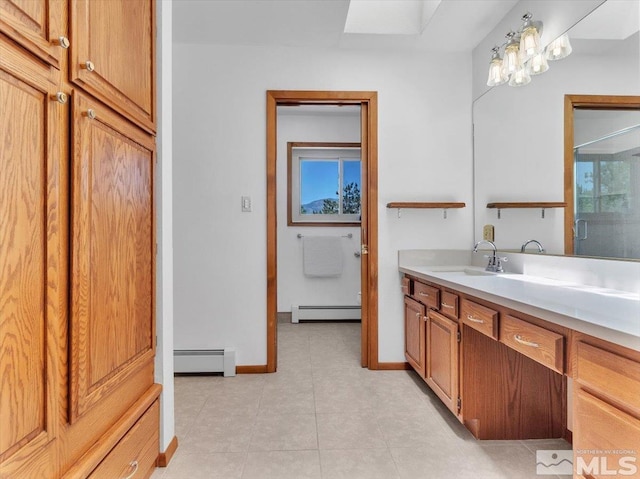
column 463, row 271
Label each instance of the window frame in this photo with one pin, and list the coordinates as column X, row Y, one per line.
column 344, row 152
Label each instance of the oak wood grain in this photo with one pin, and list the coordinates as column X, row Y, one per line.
column 424, row 204
column 415, row 330
column 480, row 318
column 118, row 38
column 608, row 374
column 540, row 344
column 426, row 294
column 600, row 429
column 113, row 251
column 30, row 266
column 442, row 358
column 34, row 24
column 506, row 395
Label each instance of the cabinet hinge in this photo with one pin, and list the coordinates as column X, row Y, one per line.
column 459, row 403
column 459, row 336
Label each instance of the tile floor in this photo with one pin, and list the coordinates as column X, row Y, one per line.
column 323, row 416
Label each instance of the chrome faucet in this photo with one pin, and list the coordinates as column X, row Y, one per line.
column 536, row 242
column 495, row 264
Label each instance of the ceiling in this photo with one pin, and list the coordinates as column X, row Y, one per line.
column 452, row 25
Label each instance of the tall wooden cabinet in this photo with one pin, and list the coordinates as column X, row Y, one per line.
column 77, row 247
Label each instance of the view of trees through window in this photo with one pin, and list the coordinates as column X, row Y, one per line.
column 329, row 186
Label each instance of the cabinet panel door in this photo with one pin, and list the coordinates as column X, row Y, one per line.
column 112, row 252
column 442, row 358
column 116, row 36
column 30, row 268
column 35, row 24
column 602, row 435
column 414, row 334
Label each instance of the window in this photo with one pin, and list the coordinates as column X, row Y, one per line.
column 324, row 184
column 603, row 184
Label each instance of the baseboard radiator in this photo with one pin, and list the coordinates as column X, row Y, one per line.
column 324, row 313
column 205, row 361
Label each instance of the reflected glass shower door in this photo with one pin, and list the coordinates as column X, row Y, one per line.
column 607, row 190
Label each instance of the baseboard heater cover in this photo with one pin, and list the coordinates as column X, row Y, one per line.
column 324, row 313
column 205, row 361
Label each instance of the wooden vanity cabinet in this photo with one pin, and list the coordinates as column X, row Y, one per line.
column 494, row 390
column 606, row 406
column 415, row 316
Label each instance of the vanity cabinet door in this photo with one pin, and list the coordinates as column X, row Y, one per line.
column 414, row 338
column 442, row 358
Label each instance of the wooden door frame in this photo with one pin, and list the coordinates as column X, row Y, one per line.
column 368, row 101
column 591, row 102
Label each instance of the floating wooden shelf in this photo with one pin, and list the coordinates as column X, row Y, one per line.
column 420, row 204
column 416, row 204
column 529, row 204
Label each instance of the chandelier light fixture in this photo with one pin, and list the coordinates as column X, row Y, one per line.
column 524, row 55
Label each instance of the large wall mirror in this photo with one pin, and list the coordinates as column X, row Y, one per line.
column 519, row 152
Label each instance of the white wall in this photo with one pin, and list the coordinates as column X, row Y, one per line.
column 219, row 150
column 294, row 288
column 164, row 225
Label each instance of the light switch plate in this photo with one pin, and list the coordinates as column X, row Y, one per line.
column 246, row 204
column 488, row 233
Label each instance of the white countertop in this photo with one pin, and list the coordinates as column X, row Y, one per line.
column 612, row 315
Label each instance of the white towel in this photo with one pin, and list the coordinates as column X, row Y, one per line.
column 322, row 256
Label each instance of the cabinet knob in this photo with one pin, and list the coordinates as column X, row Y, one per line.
column 91, row 114
column 88, row 65
column 62, row 41
column 60, row 97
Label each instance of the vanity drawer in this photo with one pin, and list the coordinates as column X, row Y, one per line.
column 539, row 344
column 480, row 318
column 449, row 304
column 406, row 286
column 608, row 374
column 135, row 455
column 426, row 294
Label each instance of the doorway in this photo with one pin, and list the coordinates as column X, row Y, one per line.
column 369, row 220
column 602, row 145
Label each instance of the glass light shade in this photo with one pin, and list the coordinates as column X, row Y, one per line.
column 520, row 77
column 512, row 60
column 559, row 48
column 530, row 42
column 537, row 64
column 497, row 74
